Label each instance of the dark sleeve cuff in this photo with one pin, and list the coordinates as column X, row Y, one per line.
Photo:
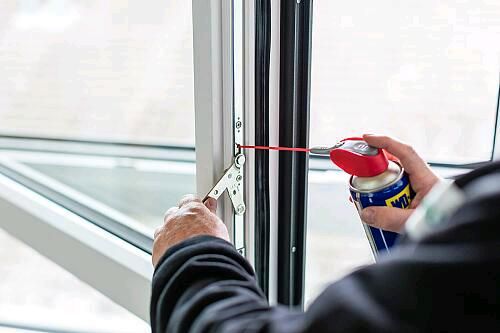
column 193, row 241
column 194, row 275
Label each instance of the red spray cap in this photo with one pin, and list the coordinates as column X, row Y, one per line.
column 356, row 157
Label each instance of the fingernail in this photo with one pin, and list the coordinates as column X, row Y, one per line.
column 367, row 215
column 210, row 203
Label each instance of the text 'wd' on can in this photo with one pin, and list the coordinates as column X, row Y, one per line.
column 390, row 188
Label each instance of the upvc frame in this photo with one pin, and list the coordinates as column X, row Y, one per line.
column 82, row 248
column 223, row 62
column 496, row 139
column 80, row 245
column 274, row 102
column 248, row 81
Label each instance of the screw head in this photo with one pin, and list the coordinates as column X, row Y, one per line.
column 239, row 178
column 240, row 160
column 240, row 209
column 238, row 124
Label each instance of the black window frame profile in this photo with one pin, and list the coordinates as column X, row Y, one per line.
column 91, row 148
column 294, row 98
column 262, row 201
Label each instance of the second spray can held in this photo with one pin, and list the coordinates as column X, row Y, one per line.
column 374, row 181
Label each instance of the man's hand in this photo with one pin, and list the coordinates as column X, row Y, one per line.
column 421, row 179
column 191, row 218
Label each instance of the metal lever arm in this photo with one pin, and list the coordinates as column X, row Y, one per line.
column 231, row 181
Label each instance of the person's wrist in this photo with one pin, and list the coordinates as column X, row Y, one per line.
column 190, row 219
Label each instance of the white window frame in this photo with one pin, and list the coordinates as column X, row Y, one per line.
column 107, row 263
column 274, row 104
column 496, row 146
column 224, row 90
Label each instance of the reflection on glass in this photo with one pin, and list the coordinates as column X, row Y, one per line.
column 97, row 70
column 134, row 192
column 143, row 195
column 424, row 71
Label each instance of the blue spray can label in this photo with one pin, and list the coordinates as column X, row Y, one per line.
column 391, row 188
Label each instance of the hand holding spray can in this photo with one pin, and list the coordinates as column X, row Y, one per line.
column 374, row 181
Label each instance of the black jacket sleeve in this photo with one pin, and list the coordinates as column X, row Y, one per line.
column 447, row 282
column 202, row 284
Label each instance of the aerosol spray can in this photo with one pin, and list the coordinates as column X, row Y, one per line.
column 374, row 181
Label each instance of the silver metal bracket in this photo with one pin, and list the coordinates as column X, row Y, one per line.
column 231, row 181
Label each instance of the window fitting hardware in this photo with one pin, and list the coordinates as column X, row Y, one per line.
column 231, row 181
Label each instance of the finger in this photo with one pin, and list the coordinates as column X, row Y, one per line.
column 211, row 204
column 416, row 201
column 387, row 218
column 158, row 231
column 171, row 211
column 391, row 157
column 410, row 160
column 187, row 199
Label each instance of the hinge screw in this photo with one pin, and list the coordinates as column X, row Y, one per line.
column 240, row 160
column 240, row 209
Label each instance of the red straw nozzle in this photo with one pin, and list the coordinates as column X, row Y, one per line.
column 274, row 148
column 353, row 155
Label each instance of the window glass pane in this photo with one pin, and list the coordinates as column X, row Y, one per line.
column 131, row 191
column 424, row 71
column 336, row 243
column 142, row 192
column 104, row 71
column 55, row 299
column 97, row 70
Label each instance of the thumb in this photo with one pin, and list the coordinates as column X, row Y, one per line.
column 387, row 218
column 211, row 204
